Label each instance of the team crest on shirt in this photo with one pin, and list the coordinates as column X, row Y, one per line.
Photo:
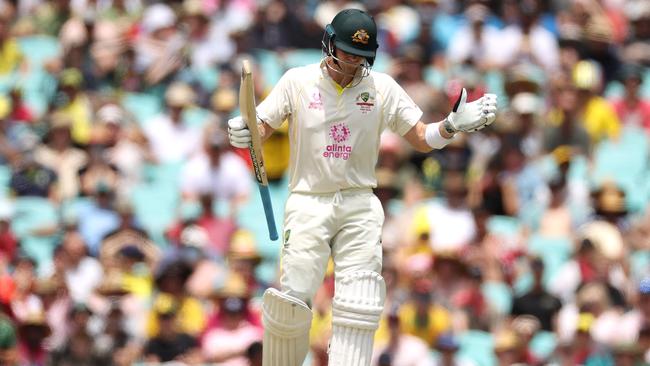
column 315, row 100
column 365, row 101
column 339, row 133
column 361, row 36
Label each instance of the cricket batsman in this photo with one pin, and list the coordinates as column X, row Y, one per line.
column 337, row 110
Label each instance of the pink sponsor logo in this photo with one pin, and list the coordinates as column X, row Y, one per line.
column 315, row 100
column 339, row 133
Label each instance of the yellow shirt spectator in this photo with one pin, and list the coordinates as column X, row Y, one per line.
column 191, row 317
column 438, row 321
column 600, row 119
column 10, row 56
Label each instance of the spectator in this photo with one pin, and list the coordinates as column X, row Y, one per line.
column 61, row 157
column 170, row 280
column 209, row 172
column 528, row 41
column 170, row 139
column 72, row 101
column 402, row 349
column 475, row 42
column 169, row 343
column 32, row 331
column 538, row 302
column 632, row 108
column 159, row 48
column 231, row 330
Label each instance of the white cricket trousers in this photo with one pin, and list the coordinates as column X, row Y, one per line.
column 346, row 225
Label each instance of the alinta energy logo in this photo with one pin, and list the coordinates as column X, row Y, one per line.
column 339, row 133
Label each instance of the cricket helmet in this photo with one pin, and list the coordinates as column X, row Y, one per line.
column 353, row 31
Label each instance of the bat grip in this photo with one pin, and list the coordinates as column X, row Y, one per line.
column 268, row 211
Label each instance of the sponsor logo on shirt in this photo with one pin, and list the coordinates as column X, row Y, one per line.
column 339, row 133
column 365, row 101
column 315, row 100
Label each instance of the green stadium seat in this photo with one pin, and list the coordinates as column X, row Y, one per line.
column 543, row 344
column 553, row 251
column 39, row 48
column 477, row 346
column 142, row 106
column 301, row 57
column 498, row 295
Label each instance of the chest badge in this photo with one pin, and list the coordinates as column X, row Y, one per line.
column 365, row 102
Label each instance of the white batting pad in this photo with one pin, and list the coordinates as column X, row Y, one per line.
column 356, row 310
column 286, row 329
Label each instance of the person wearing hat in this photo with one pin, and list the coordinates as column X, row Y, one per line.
column 445, row 217
column 213, row 170
column 527, row 40
column 170, row 281
column 59, row 154
column 538, row 302
column 633, row 109
column 476, row 42
column 635, row 48
column 233, row 327
column 72, row 101
column 169, row 138
column 594, row 112
column 333, row 158
column 160, row 47
column 401, row 347
column 170, row 343
column 32, row 331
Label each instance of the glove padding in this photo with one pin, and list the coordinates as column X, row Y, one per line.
column 473, row 116
column 238, row 133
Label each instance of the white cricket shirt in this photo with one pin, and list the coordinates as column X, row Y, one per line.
column 334, row 132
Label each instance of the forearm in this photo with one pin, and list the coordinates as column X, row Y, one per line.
column 426, row 137
column 265, row 131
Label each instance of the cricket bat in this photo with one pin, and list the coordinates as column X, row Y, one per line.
column 249, row 115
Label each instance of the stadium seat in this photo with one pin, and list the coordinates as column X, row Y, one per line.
column 553, row 251
column 33, row 213
column 498, row 296
column 37, row 49
column 270, row 66
column 543, row 344
column 626, row 162
column 251, row 217
column 477, row 346
column 301, row 57
column 196, row 117
column 142, row 106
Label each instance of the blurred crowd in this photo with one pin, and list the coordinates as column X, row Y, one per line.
column 130, row 232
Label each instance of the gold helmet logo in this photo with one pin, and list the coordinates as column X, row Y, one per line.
column 360, row 36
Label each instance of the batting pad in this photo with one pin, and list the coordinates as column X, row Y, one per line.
column 286, row 329
column 356, row 310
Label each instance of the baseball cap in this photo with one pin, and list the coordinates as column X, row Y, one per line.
column 356, row 32
column 158, row 16
column 110, row 113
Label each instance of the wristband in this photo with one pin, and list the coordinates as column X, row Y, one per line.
column 434, row 138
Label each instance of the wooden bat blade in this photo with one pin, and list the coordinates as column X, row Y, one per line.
column 249, row 115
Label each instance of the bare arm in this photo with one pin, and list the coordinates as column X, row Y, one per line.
column 265, row 130
column 416, row 136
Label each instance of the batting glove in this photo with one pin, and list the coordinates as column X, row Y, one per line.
column 238, row 133
column 473, row 116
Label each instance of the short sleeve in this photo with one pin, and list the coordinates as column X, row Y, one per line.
column 276, row 107
column 400, row 111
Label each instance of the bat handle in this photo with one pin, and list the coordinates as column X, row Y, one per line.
column 268, row 211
